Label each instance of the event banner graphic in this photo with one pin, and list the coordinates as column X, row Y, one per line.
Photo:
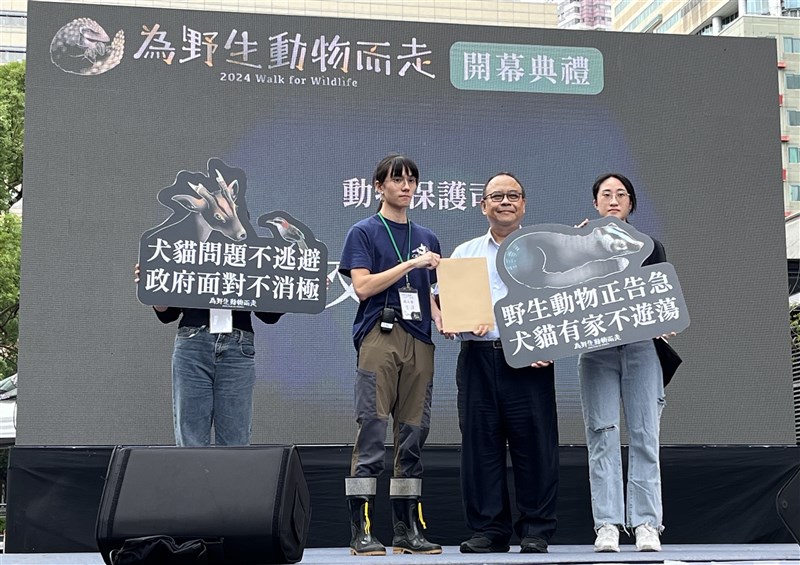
column 282, row 56
column 572, row 290
column 206, row 254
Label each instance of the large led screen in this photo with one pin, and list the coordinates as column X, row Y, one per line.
column 120, row 100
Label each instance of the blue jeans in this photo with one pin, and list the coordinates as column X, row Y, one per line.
column 633, row 373
column 212, row 381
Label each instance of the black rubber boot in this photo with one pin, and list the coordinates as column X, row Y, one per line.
column 362, row 542
column 408, row 525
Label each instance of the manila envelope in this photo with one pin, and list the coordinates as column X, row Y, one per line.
column 465, row 296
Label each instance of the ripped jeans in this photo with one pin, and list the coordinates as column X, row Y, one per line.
column 633, row 373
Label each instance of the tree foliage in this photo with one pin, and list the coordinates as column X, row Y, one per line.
column 12, row 121
column 10, row 241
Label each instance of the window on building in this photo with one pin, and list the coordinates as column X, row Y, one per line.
column 671, row 21
column 758, row 7
column 794, row 154
column 794, row 192
column 707, row 30
column 644, row 14
column 10, row 54
column 13, row 19
column 621, row 5
column 792, row 81
column 791, row 4
column 726, row 21
column 791, row 44
column 793, row 117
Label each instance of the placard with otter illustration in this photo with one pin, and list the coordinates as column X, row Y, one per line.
column 572, row 290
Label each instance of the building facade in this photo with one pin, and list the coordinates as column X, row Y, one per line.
column 13, row 25
column 778, row 19
column 584, row 14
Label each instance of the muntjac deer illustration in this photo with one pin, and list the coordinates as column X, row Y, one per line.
column 211, row 211
column 207, row 253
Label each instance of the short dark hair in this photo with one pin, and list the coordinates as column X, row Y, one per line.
column 503, row 174
column 621, row 178
column 393, row 165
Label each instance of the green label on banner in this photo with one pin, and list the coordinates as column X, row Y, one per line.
column 526, row 68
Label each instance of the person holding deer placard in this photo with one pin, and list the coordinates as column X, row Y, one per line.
column 213, row 373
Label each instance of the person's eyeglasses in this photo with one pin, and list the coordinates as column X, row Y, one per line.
column 607, row 195
column 498, row 196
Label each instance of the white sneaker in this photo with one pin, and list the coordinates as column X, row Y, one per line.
column 647, row 538
column 607, row 539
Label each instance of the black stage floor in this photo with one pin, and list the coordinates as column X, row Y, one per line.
column 758, row 554
column 713, row 496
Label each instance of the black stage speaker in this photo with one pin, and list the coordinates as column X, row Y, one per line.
column 788, row 503
column 252, row 502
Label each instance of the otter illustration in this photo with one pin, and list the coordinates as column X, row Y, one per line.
column 555, row 260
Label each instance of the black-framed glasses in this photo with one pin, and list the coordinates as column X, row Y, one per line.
column 512, row 196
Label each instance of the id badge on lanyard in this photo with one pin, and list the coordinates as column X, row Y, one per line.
column 409, row 297
column 409, row 303
column 220, row 321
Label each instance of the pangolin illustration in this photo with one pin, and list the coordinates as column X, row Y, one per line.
column 82, row 47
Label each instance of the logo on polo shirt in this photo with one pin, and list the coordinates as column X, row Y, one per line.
column 419, row 251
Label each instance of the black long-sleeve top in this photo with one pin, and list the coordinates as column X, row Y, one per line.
column 196, row 317
column 659, row 255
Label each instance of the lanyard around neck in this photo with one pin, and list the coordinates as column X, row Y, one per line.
column 394, row 243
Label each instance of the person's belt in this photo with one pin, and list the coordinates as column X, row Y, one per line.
column 494, row 344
